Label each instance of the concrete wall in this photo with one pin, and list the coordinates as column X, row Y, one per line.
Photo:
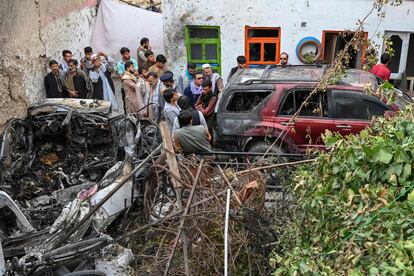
column 233, row 15
column 31, row 34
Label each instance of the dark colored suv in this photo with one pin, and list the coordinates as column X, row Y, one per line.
column 257, row 106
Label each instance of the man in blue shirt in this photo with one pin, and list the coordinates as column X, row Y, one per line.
column 120, row 69
column 126, row 56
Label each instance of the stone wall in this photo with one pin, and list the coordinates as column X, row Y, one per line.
column 31, row 34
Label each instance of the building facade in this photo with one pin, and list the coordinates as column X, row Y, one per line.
column 218, row 31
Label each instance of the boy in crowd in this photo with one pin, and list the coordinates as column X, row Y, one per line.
column 171, row 108
column 67, row 56
column 159, row 66
column 149, row 55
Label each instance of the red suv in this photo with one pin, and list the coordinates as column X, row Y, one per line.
column 258, row 104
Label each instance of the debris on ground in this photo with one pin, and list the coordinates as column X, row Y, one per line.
column 84, row 191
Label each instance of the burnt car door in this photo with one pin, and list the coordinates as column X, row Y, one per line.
column 313, row 119
column 353, row 111
column 237, row 113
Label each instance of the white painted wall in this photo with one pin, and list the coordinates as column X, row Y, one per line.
column 233, row 15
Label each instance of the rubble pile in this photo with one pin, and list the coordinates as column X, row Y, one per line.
column 199, row 248
column 85, row 193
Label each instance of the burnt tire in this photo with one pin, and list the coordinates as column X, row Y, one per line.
column 274, row 177
column 262, row 147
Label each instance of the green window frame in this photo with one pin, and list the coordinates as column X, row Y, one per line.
column 204, row 46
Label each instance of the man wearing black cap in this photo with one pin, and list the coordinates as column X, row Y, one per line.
column 168, row 79
column 167, row 82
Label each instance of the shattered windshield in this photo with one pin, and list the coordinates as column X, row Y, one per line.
column 249, row 74
column 360, row 78
column 296, row 73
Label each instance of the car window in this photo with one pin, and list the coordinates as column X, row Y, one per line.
column 316, row 105
column 360, row 78
column 288, row 106
column 374, row 108
column 246, row 101
column 349, row 108
column 351, row 105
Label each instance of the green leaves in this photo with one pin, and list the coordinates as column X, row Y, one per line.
column 410, row 196
column 355, row 205
column 383, row 156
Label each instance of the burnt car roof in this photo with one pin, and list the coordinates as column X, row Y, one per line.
column 64, row 105
column 275, row 73
column 301, row 73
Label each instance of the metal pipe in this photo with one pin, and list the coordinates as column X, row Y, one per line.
column 2, row 261
column 242, row 153
column 226, row 233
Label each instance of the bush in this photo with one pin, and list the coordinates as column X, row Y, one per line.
column 354, row 212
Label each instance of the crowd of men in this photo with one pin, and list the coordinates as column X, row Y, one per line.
column 148, row 90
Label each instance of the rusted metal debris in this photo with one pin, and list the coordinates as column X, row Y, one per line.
column 84, row 191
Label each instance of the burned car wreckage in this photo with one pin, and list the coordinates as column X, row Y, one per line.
column 57, row 165
column 85, row 192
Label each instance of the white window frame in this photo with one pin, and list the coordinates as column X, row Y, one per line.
column 405, row 37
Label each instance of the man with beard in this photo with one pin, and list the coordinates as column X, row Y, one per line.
column 154, row 111
column 216, row 80
column 129, row 82
column 284, row 59
column 54, row 84
column 142, row 91
column 144, row 47
column 77, row 82
column 101, row 87
column 87, row 64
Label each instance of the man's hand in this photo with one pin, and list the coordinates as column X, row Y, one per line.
column 100, row 53
column 135, row 73
column 73, row 94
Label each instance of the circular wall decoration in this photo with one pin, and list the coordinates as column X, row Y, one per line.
column 309, row 50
